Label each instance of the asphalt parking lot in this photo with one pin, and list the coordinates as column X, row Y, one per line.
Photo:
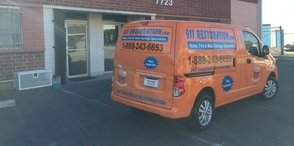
column 81, row 113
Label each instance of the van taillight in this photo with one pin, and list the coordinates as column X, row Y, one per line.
column 179, row 86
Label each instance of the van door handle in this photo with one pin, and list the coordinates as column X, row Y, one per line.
column 234, row 62
column 248, row 61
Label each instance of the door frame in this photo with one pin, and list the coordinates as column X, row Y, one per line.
column 66, row 24
column 119, row 28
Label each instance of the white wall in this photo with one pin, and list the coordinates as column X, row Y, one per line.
column 245, row 14
column 49, row 40
column 96, row 52
column 96, row 41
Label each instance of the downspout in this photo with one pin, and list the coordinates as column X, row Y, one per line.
column 259, row 18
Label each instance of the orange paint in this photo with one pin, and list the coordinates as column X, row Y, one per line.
column 162, row 66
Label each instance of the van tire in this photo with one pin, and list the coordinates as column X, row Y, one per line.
column 270, row 89
column 202, row 112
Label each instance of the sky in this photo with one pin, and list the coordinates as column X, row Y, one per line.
column 280, row 12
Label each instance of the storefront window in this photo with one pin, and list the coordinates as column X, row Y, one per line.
column 10, row 28
column 110, row 35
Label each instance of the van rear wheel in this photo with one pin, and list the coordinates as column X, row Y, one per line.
column 202, row 112
column 270, row 89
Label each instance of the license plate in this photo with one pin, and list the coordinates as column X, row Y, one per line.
column 151, row 82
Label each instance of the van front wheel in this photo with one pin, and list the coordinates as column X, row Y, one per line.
column 270, row 89
column 203, row 112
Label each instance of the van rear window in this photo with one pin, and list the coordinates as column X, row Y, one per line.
column 146, row 39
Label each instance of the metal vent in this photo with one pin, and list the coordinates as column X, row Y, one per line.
column 32, row 79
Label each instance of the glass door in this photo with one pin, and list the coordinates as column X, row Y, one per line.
column 110, row 32
column 76, row 48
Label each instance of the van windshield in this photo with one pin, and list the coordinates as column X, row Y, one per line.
column 146, row 39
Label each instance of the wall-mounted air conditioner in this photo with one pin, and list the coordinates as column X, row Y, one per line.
column 32, row 79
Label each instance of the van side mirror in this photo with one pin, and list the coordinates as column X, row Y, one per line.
column 253, row 51
column 265, row 50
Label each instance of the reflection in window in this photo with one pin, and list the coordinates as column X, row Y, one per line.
column 10, row 28
column 77, row 29
column 250, row 40
column 110, row 35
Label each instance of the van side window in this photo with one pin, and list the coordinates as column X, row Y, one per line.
column 251, row 43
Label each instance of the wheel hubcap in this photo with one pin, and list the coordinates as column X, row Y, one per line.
column 205, row 112
column 270, row 88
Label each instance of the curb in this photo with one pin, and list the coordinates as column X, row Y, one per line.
column 96, row 78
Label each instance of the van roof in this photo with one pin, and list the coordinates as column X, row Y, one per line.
column 182, row 21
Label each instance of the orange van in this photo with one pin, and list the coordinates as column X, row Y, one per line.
column 183, row 69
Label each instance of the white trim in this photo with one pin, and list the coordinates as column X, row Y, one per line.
column 98, row 10
column 6, row 81
column 105, row 22
column 9, row 7
column 259, row 18
column 76, row 22
column 18, row 81
column 49, row 39
column 96, row 44
column 107, row 72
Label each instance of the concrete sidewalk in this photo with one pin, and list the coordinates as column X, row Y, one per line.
column 276, row 52
column 9, row 86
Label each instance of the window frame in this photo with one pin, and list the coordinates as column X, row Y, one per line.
column 258, row 42
column 112, row 23
column 11, row 9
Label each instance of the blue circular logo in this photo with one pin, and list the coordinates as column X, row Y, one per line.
column 151, row 62
column 227, row 83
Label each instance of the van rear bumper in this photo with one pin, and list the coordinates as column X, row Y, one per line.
column 172, row 113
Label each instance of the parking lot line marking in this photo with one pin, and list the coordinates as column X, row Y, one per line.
column 188, row 134
column 7, row 103
column 85, row 98
column 201, row 140
column 52, row 144
column 207, row 142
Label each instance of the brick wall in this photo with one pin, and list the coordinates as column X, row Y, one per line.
column 219, row 9
column 215, row 8
column 180, row 8
column 32, row 28
column 20, row 61
column 31, row 55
